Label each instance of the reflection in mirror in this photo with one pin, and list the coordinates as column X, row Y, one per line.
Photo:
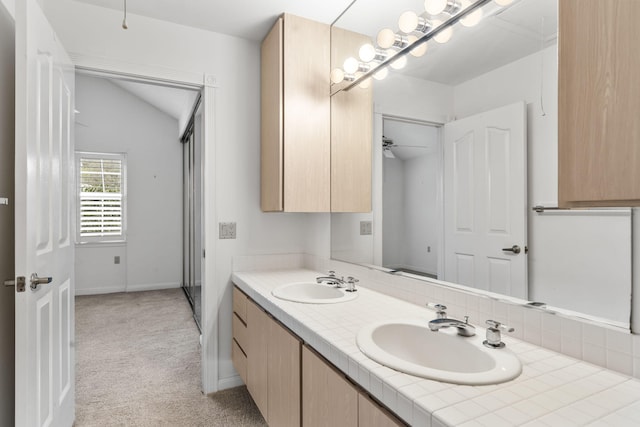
column 411, row 176
column 572, row 260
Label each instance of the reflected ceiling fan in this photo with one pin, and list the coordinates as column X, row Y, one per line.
column 388, row 144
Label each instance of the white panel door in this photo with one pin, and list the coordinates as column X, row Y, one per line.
column 485, row 201
column 45, row 393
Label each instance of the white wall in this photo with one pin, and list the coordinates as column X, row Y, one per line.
column 393, row 211
column 7, row 258
column 94, row 34
column 422, row 219
column 113, row 120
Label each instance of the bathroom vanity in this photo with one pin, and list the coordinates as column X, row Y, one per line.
column 294, row 352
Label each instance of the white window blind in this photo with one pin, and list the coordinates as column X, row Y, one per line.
column 101, row 197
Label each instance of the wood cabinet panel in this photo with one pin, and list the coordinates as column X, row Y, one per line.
column 295, row 151
column 370, row 414
column 598, row 104
column 306, row 115
column 328, row 399
column 240, row 304
column 272, row 121
column 284, row 377
column 257, row 361
column 351, row 133
column 239, row 360
column 239, row 330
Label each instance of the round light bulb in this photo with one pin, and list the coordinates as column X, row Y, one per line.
column 386, row 38
column 408, row 22
column 367, row 52
column 473, row 18
column 444, row 35
column 503, row 2
column 351, row 65
column 419, row 50
column 399, row 63
column 435, row 7
column 381, row 74
column 337, row 75
column 365, row 83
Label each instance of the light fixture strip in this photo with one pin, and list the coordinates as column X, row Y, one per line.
column 449, row 22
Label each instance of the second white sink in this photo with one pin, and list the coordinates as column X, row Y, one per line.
column 312, row 293
column 409, row 346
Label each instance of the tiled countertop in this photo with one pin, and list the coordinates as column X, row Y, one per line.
column 553, row 389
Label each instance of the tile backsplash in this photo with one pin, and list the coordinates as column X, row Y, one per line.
column 599, row 344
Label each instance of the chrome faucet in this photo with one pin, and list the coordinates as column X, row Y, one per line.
column 331, row 279
column 465, row 329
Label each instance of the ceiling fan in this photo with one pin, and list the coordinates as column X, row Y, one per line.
column 388, row 144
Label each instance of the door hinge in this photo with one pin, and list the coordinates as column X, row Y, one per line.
column 20, row 283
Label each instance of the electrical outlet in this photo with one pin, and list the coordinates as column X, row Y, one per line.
column 116, row 259
column 227, row 230
column 428, row 248
column 365, row 228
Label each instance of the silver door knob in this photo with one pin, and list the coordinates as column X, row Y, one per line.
column 37, row 281
column 515, row 249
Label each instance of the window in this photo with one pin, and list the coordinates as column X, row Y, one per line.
column 101, row 197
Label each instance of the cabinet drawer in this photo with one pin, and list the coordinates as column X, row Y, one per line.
column 239, row 332
column 239, row 360
column 240, row 304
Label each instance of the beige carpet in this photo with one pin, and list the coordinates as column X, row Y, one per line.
column 138, row 364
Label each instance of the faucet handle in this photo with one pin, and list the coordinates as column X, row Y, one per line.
column 332, row 273
column 351, row 282
column 439, row 308
column 494, row 339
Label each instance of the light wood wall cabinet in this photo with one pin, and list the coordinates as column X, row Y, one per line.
column 271, row 362
column 295, row 108
column 599, row 103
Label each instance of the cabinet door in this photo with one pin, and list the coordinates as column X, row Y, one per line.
column 598, row 103
column 370, row 414
column 328, row 399
column 306, row 115
column 257, row 368
column 351, row 133
column 284, row 377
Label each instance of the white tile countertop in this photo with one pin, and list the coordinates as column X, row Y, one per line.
column 553, row 389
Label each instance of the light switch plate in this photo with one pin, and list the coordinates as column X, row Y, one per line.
column 227, row 230
column 365, row 228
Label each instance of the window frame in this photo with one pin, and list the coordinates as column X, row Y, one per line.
column 122, row 238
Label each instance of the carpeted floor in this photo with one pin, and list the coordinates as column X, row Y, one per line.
column 138, row 364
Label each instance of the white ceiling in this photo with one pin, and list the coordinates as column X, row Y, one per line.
column 505, row 35
column 177, row 103
column 248, row 19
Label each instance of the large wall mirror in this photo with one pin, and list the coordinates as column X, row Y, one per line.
column 465, row 169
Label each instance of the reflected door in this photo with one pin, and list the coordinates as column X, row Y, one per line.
column 485, row 201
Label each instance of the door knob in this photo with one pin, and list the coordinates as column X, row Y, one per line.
column 37, row 281
column 515, row 249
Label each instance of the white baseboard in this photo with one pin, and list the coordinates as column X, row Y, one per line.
column 152, row 286
column 98, row 291
column 129, row 288
column 226, row 383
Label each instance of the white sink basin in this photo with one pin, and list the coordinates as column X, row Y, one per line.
column 312, row 293
column 409, row 346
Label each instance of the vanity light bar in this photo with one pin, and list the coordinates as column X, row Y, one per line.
column 418, row 43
